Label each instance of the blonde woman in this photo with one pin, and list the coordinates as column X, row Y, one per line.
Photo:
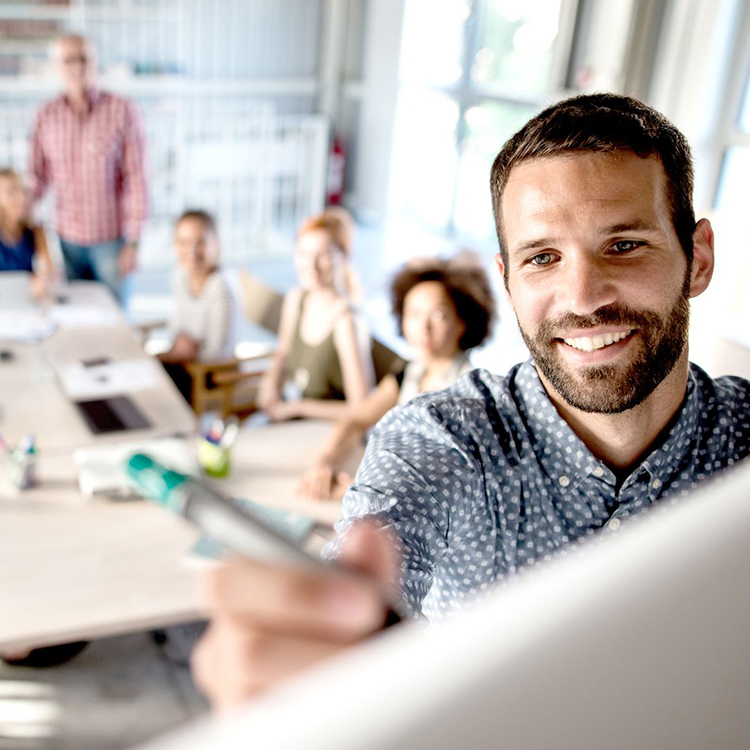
column 323, row 365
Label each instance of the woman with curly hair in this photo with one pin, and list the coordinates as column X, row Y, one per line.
column 444, row 308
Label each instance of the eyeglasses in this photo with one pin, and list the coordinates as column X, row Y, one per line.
column 82, row 59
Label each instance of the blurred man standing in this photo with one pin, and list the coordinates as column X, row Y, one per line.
column 89, row 145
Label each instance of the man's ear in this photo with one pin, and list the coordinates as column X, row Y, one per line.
column 501, row 267
column 500, row 264
column 703, row 258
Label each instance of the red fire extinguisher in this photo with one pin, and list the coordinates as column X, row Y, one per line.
column 336, row 172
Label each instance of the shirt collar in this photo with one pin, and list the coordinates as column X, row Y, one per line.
column 565, row 456
column 93, row 96
column 667, row 458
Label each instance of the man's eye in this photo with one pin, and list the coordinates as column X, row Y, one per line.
column 543, row 259
column 626, row 246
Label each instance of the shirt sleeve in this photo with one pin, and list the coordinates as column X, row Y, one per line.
column 218, row 320
column 134, row 194
column 38, row 165
column 415, row 478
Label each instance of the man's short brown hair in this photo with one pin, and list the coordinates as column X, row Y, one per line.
column 603, row 123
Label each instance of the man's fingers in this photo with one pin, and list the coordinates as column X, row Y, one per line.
column 270, row 622
column 232, row 663
column 374, row 551
column 334, row 605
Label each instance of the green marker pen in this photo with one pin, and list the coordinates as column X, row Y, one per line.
column 236, row 527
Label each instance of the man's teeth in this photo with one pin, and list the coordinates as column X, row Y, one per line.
column 590, row 344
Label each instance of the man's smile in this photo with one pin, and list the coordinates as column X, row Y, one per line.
column 593, row 343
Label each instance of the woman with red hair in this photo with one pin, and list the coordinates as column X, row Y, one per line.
column 323, row 364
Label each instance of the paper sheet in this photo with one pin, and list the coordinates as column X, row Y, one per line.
column 111, row 377
column 84, row 316
column 27, row 325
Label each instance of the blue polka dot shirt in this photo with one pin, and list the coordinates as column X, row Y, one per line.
column 485, row 478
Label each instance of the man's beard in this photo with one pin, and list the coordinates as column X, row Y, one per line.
column 609, row 388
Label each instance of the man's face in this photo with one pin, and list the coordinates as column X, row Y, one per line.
column 76, row 64
column 597, row 277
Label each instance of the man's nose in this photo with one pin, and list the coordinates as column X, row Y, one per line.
column 587, row 283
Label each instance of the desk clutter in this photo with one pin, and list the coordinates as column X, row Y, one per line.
column 21, row 462
column 217, row 437
column 111, row 415
column 104, row 376
column 26, row 321
column 83, row 557
column 101, row 469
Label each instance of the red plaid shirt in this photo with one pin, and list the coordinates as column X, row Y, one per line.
column 97, row 165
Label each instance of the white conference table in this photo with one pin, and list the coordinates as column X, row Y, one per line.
column 73, row 568
column 91, row 327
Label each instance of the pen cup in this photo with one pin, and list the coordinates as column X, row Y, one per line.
column 214, row 458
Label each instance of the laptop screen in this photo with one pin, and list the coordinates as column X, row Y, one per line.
column 111, row 415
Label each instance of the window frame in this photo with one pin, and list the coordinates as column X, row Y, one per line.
column 467, row 93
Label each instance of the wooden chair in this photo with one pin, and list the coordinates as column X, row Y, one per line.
column 231, row 385
column 384, row 360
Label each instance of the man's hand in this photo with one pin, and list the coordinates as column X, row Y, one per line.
column 269, row 623
column 127, row 260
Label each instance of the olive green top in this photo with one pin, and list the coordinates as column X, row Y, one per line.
column 315, row 371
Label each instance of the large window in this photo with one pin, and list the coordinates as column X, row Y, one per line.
column 735, row 160
column 728, row 160
column 472, row 72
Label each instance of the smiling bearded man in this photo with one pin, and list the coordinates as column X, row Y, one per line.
column 599, row 251
column 607, row 388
